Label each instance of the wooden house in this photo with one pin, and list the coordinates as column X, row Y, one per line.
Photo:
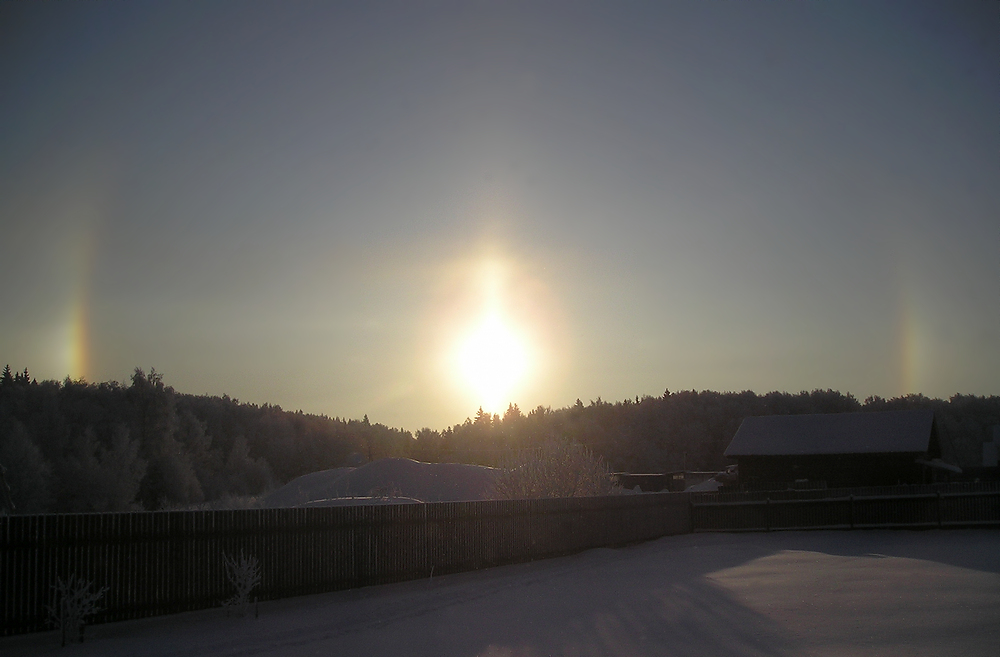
column 839, row 450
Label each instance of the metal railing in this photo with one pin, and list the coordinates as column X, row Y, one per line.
column 940, row 508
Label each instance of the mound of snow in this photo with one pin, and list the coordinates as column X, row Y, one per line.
column 396, row 478
column 304, row 489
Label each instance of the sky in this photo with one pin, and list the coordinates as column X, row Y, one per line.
column 410, row 210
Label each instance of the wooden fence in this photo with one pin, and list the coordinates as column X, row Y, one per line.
column 166, row 562
column 848, row 509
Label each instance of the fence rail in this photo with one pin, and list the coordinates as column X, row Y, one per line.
column 942, row 508
column 167, row 562
column 863, row 491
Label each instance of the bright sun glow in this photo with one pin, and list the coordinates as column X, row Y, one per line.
column 493, row 360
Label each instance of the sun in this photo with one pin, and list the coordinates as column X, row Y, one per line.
column 492, row 360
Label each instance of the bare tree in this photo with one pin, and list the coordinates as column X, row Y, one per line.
column 72, row 602
column 555, row 469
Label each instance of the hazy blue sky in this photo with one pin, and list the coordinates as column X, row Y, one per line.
column 314, row 203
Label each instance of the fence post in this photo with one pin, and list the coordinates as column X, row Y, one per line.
column 767, row 513
column 851, row 507
column 531, row 535
column 939, row 509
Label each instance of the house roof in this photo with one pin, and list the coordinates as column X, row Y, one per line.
column 835, row 433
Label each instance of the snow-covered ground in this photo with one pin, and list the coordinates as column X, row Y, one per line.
column 785, row 593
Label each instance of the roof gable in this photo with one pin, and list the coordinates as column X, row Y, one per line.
column 834, row 433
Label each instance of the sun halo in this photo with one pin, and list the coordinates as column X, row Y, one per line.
column 492, row 361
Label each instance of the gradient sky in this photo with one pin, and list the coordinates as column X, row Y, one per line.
column 313, row 203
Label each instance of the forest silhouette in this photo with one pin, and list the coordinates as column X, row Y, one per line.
column 74, row 446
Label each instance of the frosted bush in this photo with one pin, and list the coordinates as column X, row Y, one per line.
column 555, row 469
column 244, row 575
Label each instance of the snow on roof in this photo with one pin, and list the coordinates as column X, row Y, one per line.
column 835, row 433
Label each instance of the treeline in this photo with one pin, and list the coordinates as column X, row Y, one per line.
column 690, row 430
column 76, row 446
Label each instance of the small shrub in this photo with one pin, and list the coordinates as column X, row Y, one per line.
column 556, row 469
column 72, row 602
column 244, row 575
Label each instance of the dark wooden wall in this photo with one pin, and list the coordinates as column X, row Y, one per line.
column 837, row 470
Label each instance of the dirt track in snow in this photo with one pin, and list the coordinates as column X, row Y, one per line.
column 785, row 593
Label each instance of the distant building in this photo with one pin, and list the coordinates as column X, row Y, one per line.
column 656, row 482
column 838, row 450
column 647, row 483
